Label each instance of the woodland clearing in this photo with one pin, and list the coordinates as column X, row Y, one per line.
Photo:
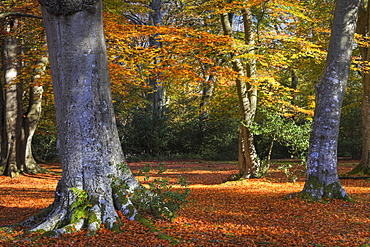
column 238, row 213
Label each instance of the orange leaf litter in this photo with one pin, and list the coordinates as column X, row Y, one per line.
column 243, row 213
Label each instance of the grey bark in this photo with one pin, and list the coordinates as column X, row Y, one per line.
column 13, row 120
column 248, row 162
column 89, row 145
column 322, row 176
column 33, row 114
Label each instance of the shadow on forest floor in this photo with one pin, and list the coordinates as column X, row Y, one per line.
column 239, row 213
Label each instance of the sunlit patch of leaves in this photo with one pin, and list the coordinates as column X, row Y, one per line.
column 251, row 212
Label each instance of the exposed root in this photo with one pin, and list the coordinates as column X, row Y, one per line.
column 124, row 204
column 315, row 190
column 75, row 208
column 360, row 169
column 53, row 220
column 73, row 227
column 94, row 221
column 60, row 217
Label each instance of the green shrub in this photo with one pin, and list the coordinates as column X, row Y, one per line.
column 166, row 202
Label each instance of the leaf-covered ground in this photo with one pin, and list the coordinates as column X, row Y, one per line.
column 242, row 213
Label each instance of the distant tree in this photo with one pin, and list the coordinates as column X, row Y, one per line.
column 248, row 161
column 17, row 126
column 363, row 26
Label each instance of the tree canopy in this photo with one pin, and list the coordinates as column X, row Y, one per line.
column 250, row 81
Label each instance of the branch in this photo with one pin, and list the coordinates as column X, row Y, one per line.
column 135, row 19
column 17, row 14
column 363, row 177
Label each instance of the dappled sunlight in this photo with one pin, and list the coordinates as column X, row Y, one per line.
column 237, row 213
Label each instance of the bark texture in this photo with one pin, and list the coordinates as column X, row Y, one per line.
column 88, row 142
column 363, row 25
column 68, row 7
column 322, row 176
column 33, row 114
column 12, row 133
column 248, row 162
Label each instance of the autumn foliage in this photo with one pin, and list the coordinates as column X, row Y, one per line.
column 256, row 212
column 290, row 52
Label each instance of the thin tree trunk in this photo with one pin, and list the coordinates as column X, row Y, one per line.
column 363, row 26
column 322, row 175
column 248, row 161
column 270, row 149
column 32, row 117
column 13, row 133
column 156, row 95
column 364, row 165
column 206, row 93
column 2, row 123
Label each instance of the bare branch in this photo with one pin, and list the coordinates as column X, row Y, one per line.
column 17, row 14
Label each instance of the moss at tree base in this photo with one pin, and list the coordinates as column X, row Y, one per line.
column 315, row 190
column 360, row 169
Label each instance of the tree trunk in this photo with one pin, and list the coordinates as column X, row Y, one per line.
column 32, row 117
column 322, row 176
column 364, row 165
column 156, row 94
column 273, row 139
column 207, row 90
column 18, row 128
column 363, row 26
column 13, row 134
column 248, row 161
column 88, row 141
column 2, row 124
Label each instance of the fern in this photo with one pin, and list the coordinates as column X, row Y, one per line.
column 81, row 205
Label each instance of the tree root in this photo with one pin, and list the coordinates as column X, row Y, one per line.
column 360, row 169
column 60, row 217
column 315, row 190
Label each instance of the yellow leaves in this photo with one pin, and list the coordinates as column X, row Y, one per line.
column 358, row 64
column 185, row 57
column 281, row 98
column 362, row 41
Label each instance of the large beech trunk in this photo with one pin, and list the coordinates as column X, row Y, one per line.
column 88, row 141
column 322, row 176
column 248, row 162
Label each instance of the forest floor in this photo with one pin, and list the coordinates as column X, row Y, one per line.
column 240, row 213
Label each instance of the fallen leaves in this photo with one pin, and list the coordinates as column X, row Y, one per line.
column 239, row 213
